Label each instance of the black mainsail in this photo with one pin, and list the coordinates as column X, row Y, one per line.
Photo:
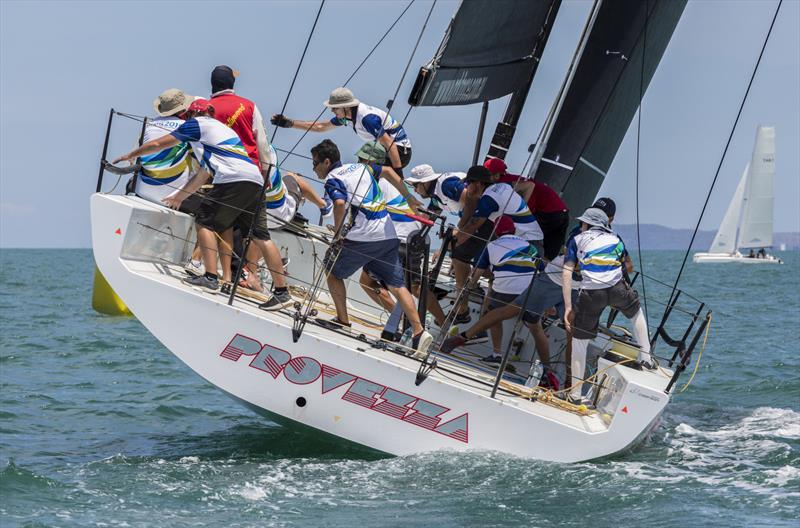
column 601, row 94
column 490, row 49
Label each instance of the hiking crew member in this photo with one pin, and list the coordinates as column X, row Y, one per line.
column 370, row 242
column 369, row 122
column 447, row 192
column 513, row 262
column 551, row 212
column 495, row 200
column 405, row 227
column 163, row 173
column 599, row 252
column 237, row 189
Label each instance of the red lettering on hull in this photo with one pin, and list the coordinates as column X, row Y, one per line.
column 303, row 370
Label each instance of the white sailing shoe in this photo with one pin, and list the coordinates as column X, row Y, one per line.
column 194, row 269
column 421, row 343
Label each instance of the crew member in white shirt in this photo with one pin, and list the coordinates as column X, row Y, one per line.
column 368, row 122
column 600, row 254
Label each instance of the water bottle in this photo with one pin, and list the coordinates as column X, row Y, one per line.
column 535, row 374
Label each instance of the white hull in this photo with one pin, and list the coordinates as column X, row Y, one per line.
column 705, row 258
column 337, row 384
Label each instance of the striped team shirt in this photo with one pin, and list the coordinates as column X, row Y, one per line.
column 599, row 253
column 219, row 150
column 163, row 173
column 513, row 261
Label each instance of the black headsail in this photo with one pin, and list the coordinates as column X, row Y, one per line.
column 491, row 49
column 600, row 95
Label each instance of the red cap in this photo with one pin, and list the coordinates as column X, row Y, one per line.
column 504, row 226
column 200, row 105
column 495, row 165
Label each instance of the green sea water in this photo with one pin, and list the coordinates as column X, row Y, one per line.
column 101, row 426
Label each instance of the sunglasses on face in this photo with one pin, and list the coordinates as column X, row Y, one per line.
column 314, row 163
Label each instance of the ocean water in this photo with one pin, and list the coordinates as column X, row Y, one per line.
column 101, row 426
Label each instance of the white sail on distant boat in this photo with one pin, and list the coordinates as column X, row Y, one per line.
column 747, row 224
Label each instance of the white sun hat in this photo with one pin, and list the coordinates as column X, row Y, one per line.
column 421, row 174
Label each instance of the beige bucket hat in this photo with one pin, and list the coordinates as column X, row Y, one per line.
column 340, row 98
column 172, row 102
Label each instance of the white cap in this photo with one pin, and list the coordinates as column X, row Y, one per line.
column 421, row 174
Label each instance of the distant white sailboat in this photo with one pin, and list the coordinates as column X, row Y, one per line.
column 747, row 224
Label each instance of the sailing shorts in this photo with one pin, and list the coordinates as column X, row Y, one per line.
column 591, row 303
column 540, row 296
column 498, row 299
column 469, row 251
column 233, row 205
column 405, row 157
column 380, row 259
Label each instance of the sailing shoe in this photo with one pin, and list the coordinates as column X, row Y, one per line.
column 492, row 358
column 194, row 268
column 277, row 301
column 451, row 343
column 462, row 318
column 421, row 343
column 203, row 282
column 389, row 336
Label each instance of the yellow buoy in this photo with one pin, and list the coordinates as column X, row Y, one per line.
column 104, row 299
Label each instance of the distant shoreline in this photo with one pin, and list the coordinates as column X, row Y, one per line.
column 654, row 237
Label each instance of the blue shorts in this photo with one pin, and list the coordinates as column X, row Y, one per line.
column 540, row 296
column 380, row 259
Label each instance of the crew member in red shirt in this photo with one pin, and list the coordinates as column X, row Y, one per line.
column 551, row 212
column 242, row 115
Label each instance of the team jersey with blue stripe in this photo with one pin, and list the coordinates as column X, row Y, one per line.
column 447, row 192
column 279, row 204
column 166, row 171
column 500, row 199
column 219, row 150
column 371, row 123
column 599, row 254
column 398, row 210
column 513, row 261
column 357, row 185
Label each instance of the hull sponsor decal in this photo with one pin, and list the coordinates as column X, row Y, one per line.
column 303, row 370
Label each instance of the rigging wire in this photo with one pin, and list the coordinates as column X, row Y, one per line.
column 638, row 146
column 297, row 71
column 350, row 78
column 724, row 152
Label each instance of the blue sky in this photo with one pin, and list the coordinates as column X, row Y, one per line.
column 64, row 64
